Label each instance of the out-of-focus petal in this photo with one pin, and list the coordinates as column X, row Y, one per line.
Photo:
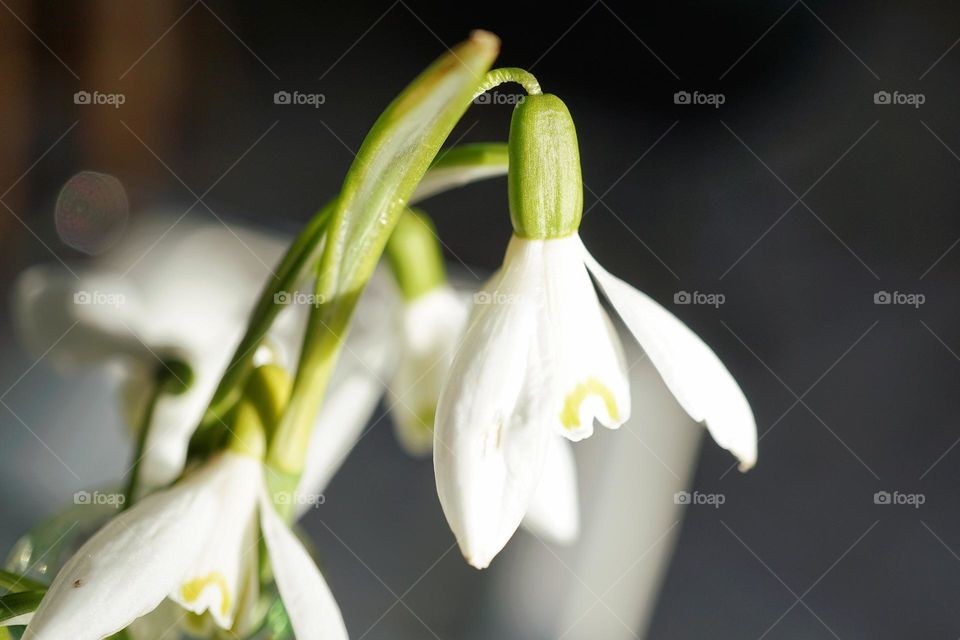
column 431, row 327
column 365, row 362
column 76, row 322
column 216, row 580
column 554, row 511
column 310, row 605
column 134, row 562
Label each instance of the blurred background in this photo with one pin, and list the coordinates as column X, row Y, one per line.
column 783, row 176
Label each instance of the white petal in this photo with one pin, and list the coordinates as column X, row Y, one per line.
column 217, row 579
column 492, row 427
column 175, row 417
column 431, row 328
column 554, row 511
column 589, row 375
column 75, row 322
column 690, row 369
column 133, row 563
column 313, row 612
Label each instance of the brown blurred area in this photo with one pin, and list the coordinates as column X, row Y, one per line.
column 151, row 51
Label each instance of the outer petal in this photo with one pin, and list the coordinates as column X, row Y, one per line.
column 129, row 566
column 690, row 369
column 554, row 511
column 174, row 419
column 313, row 612
column 589, row 377
column 491, row 433
column 216, row 580
column 432, row 326
column 77, row 322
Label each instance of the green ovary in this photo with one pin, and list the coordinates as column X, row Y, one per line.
column 570, row 415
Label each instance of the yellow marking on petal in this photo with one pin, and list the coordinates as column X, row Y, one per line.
column 570, row 415
column 426, row 416
column 192, row 589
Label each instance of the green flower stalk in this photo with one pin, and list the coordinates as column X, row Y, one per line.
column 391, row 162
column 414, row 255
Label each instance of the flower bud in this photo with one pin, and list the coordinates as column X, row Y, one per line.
column 546, row 191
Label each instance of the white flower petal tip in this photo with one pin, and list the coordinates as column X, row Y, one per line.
column 691, row 370
column 313, row 612
column 554, row 511
column 490, row 435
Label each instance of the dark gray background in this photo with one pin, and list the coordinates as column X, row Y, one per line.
column 851, row 397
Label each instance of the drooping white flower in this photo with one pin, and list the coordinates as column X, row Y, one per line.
column 431, row 326
column 195, row 543
column 540, row 356
column 143, row 303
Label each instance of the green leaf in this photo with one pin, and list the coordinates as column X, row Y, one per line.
column 394, row 157
column 460, row 165
column 392, row 160
column 14, row 582
column 17, row 604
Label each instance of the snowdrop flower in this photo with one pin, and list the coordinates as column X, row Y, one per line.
column 433, row 317
column 540, row 358
column 144, row 304
column 132, row 318
column 195, row 543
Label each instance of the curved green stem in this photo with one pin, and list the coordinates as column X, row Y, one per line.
column 496, row 77
column 288, row 273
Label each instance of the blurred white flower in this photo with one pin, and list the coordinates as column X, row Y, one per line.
column 431, row 326
column 195, row 543
column 188, row 297
column 540, row 358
